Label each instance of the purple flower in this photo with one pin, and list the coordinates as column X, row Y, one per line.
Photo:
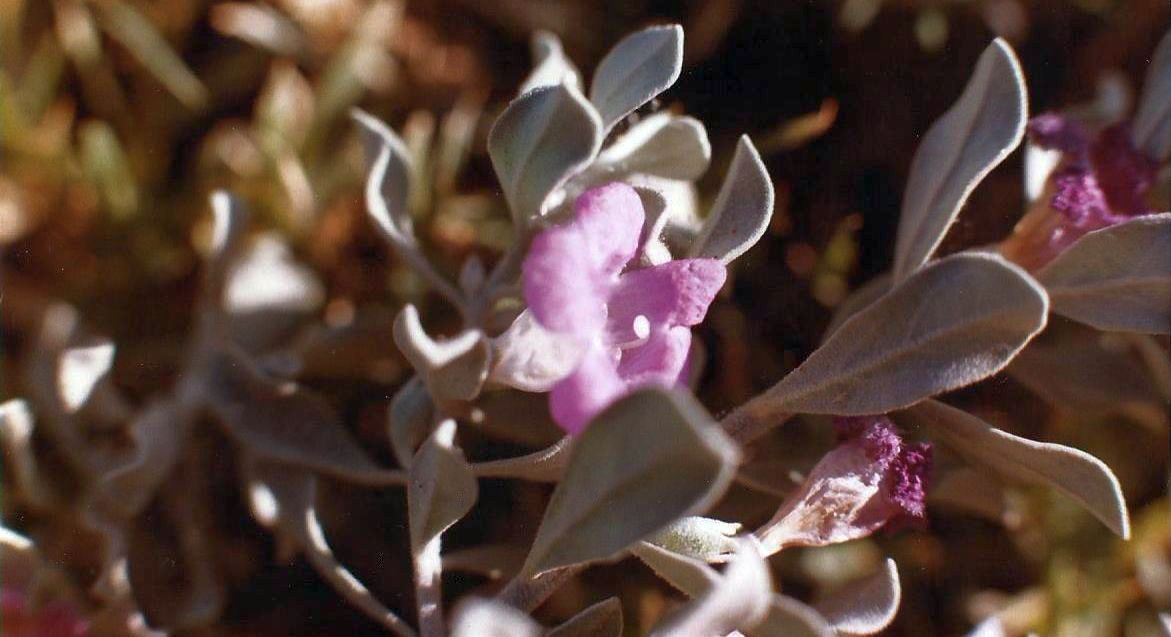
column 633, row 325
column 870, row 480
column 1102, row 180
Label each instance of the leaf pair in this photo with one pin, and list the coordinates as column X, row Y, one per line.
column 551, row 132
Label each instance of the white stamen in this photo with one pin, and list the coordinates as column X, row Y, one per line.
column 642, row 327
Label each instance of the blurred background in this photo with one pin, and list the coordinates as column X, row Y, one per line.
column 119, row 117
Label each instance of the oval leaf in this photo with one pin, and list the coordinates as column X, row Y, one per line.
column 967, row 142
column 858, row 300
column 662, row 145
column 955, row 322
column 742, row 209
column 1151, row 127
column 637, row 69
column 550, row 65
column 1076, row 473
column 864, row 607
column 442, row 488
column 544, row 137
column 649, row 459
column 603, row 619
column 1116, row 278
column 788, row 617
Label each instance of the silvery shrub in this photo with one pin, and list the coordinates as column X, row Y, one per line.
column 590, row 311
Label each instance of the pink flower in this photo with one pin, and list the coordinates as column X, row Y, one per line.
column 1103, row 179
column 872, row 479
column 633, row 324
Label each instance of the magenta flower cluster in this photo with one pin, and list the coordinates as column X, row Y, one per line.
column 1104, row 179
column 633, row 324
column 905, row 467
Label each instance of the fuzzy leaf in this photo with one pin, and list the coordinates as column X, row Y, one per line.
column 410, row 421
column 454, row 369
column 477, row 617
column 953, row 323
column 550, row 64
column 603, row 619
column 687, row 574
column 1116, row 278
column 544, row 137
column 968, row 141
column 442, row 488
column 645, row 461
column 742, row 209
column 702, row 538
column 1076, row 473
column 284, row 423
column 858, row 300
column 389, row 184
column 637, row 69
column 740, row 599
column 1151, row 127
column 786, row 617
column 663, row 145
column 864, row 607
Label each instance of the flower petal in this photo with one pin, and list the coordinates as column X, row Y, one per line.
column 659, row 361
column 575, row 400
column 610, row 219
column 669, row 294
column 1124, row 173
column 561, row 284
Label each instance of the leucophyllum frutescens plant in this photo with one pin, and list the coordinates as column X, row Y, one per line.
column 593, row 304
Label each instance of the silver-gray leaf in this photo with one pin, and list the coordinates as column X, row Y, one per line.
column 864, row 607
column 411, row 419
column 699, row 537
column 1076, row 473
column 388, row 186
column 542, row 139
column 442, row 488
column 742, row 209
column 951, row 324
column 454, row 369
column 649, row 459
column 1116, row 278
column 1151, row 127
column 968, row 141
column 740, row 599
column 858, row 300
column 637, row 69
column 550, row 64
column 788, row 617
column 663, row 145
column 603, row 619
